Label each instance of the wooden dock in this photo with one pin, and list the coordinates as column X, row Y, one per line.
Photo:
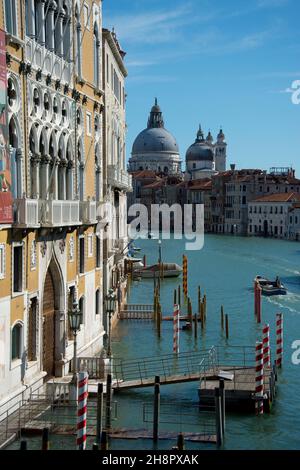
column 240, row 392
column 137, row 312
column 135, row 434
column 168, row 380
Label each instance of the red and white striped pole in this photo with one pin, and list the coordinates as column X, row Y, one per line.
column 82, row 410
column 176, row 320
column 279, row 339
column 266, row 344
column 259, row 379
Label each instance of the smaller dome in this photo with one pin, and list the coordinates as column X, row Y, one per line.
column 200, row 150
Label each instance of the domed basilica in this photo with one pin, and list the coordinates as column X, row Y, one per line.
column 156, row 149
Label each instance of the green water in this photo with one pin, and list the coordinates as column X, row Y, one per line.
column 225, row 269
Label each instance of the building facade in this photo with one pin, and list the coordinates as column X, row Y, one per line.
column 270, row 215
column 53, row 180
column 117, row 181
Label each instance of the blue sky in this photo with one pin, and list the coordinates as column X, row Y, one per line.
column 215, row 62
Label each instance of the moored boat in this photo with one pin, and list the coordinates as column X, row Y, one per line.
column 159, row 270
column 271, row 287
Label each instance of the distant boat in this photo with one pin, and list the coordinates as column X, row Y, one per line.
column 156, row 270
column 271, row 287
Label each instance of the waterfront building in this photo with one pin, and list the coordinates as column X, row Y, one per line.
column 204, row 158
column 53, row 182
column 118, row 182
column 270, row 215
column 294, row 222
column 199, row 192
column 155, row 148
column 232, row 191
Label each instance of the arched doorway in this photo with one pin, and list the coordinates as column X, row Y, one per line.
column 54, row 322
column 49, row 326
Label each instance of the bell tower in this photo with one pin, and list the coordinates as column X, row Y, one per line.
column 221, row 152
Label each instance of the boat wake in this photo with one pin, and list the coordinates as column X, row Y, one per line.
column 289, row 297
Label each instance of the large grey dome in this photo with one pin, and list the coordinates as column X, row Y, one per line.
column 156, row 139
column 200, row 151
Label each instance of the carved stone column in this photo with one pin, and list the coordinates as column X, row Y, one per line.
column 35, row 175
column 30, row 19
column 45, row 162
column 41, row 26
column 62, row 179
column 50, row 23
column 59, row 43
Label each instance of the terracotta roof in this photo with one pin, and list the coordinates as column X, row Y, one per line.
column 155, row 184
column 203, row 185
column 144, row 174
column 280, row 197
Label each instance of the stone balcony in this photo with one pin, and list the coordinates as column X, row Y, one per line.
column 54, row 213
column 118, row 178
column 26, row 213
column 88, row 212
column 48, row 62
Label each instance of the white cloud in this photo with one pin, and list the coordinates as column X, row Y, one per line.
column 271, row 3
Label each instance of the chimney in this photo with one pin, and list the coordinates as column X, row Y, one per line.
column 232, row 167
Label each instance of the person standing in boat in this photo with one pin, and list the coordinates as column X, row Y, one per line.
column 278, row 282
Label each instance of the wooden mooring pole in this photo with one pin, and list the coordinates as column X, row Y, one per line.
column 223, row 401
column 108, row 402
column 227, row 326
column 222, row 317
column 23, row 445
column 158, row 319
column 180, row 442
column 45, row 439
column 99, row 412
column 104, row 441
column 179, row 295
column 196, row 326
column 156, row 408
column 218, row 418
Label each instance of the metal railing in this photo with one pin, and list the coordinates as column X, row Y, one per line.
column 185, row 364
column 136, row 312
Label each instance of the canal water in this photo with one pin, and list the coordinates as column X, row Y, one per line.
column 225, row 269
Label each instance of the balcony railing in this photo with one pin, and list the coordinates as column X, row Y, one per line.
column 48, row 62
column 26, row 213
column 55, row 213
column 88, row 212
column 119, row 178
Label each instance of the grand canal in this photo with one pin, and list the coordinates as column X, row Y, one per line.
column 225, row 269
